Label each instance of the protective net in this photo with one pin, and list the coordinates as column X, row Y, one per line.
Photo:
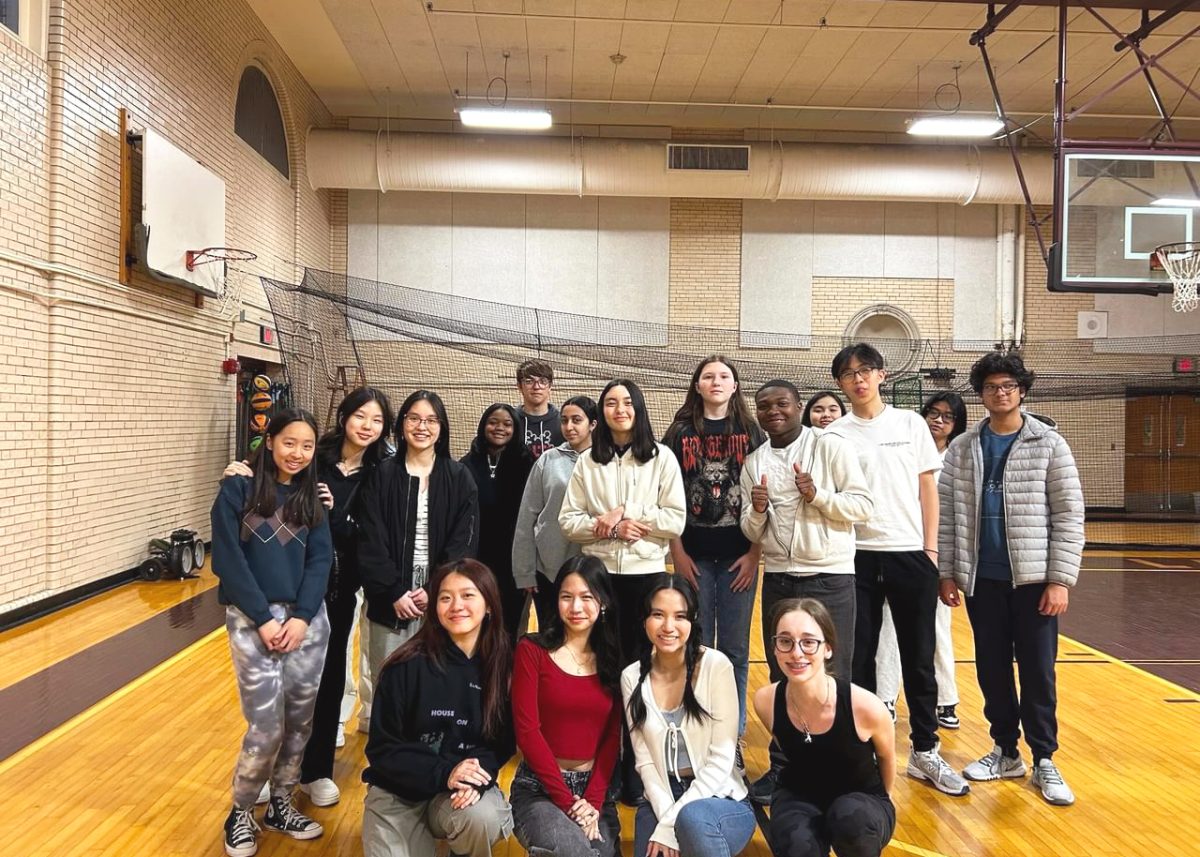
column 1132, row 421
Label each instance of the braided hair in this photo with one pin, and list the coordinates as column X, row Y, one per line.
column 691, row 653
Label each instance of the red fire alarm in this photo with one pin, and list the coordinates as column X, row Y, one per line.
column 266, row 335
column 230, row 366
column 1185, row 366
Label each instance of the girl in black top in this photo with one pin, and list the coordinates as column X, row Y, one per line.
column 440, row 726
column 500, row 464
column 838, row 739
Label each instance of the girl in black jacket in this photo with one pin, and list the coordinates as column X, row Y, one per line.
column 418, row 511
column 500, row 464
column 440, row 727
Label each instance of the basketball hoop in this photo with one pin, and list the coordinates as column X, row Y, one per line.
column 1182, row 263
column 217, row 254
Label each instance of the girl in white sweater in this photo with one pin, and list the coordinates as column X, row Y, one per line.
column 682, row 710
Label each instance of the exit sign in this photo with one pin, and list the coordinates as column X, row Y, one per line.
column 266, row 335
column 1186, row 366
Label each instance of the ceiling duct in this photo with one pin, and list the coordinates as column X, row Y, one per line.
column 598, row 166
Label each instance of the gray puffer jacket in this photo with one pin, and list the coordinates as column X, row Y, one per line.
column 1043, row 507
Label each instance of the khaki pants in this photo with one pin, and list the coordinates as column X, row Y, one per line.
column 392, row 827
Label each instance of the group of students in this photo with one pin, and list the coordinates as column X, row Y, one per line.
column 636, row 683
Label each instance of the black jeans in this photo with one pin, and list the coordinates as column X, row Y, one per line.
column 909, row 582
column 834, row 591
column 854, row 825
column 544, row 830
column 322, row 744
column 631, row 590
column 1005, row 622
column 545, row 600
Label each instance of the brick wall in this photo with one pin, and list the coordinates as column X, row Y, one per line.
column 114, row 416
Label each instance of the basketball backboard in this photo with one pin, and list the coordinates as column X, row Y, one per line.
column 1117, row 208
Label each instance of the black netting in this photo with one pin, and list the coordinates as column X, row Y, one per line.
column 1133, row 423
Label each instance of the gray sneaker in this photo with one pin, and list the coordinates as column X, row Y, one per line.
column 1050, row 781
column 931, row 767
column 995, row 766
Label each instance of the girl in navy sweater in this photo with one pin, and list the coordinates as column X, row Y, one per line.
column 272, row 552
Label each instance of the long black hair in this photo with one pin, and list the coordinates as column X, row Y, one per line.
column 441, row 447
column 642, row 443
column 691, row 412
column 691, row 653
column 806, row 418
column 958, row 409
column 602, row 639
column 301, row 507
column 480, row 443
column 585, row 404
column 329, row 447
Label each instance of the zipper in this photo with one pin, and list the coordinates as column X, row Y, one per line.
column 404, row 536
column 1004, row 501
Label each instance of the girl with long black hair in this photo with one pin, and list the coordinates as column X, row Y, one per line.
column 500, row 463
column 440, row 727
column 418, row 511
column 681, row 705
column 625, row 503
column 272, row 552
column 567, row 713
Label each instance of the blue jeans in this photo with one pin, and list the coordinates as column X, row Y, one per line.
column 725, row 621
column 711, row 827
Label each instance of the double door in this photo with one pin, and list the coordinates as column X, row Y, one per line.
column 1162, row 452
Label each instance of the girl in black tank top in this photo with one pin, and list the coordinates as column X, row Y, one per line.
column 833, row 790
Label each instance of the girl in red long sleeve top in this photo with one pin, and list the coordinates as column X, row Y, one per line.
column 567, row 714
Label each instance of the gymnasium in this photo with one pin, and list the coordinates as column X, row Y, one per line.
column 205, row 203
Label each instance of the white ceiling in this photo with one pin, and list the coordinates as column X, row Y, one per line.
column 825, row 65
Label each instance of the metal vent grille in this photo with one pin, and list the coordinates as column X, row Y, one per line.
column 703, row 157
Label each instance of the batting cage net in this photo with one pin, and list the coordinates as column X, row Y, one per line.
column 1132, row 420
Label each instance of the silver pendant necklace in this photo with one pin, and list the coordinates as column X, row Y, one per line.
column 803, row 721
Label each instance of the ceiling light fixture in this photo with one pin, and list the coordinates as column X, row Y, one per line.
column 1177, row 202
column 505, row 117
column 955, row 126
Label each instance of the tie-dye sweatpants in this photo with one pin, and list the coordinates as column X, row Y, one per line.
column 278, row 693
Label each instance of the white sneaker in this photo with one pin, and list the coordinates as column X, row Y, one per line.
column 1050, row 781
column 931, row 767
column 264, row 793
column 340, row 741
column 995, row 766
column 322, row 792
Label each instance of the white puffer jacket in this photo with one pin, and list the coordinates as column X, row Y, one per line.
column 1043, row 507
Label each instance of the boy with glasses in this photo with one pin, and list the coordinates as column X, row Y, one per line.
column 1011, row 538
column 537, row 419
column 897, row 550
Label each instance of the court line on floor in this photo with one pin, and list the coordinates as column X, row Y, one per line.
column 1172, row 686
column 914, row 849
column 114, row 697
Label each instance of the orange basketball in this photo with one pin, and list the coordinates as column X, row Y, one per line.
column 258, row 422
column 262, row 382
column 261, row 401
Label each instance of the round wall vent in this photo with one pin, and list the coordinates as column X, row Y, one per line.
column 891, row 330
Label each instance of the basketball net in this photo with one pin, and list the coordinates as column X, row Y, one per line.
column 1182, row 264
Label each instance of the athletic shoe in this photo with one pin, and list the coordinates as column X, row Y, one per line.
column 929, row 766
column 890, row 705
column 340, row 741
column 995, row 766
column 264, row 794
column 322, row 792
column 763, row 789
column 284, row 818
column 947, row 718
column 241, row 833
column 739, row 761
column 1050, row 781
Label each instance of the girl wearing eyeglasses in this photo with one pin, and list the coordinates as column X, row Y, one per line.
column 419, row 510
column 838, row 740
column 946, row 416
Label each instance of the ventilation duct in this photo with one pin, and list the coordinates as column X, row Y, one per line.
column 595, row 166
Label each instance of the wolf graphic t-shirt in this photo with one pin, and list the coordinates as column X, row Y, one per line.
column 711, row 463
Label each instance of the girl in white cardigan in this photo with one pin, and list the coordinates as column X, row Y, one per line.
column 682, row 710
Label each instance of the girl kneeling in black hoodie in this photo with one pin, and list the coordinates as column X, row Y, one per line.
column 440, row 727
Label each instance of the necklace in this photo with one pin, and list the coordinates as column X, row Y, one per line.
column 803, row 721
column 580, row 666
column 492, row 467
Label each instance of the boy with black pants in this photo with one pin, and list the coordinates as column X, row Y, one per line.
column 1011, row 538
column 897, row 549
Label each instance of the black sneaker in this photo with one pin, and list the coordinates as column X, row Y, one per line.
column 946, row 717
column 739, row 761
column 891, row 707
column 241, row 833
column 762, row 789
column 284, row 818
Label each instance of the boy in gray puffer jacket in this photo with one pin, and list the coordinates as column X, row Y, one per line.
column 1011, row 538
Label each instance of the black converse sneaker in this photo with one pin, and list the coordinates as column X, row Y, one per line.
column 241, row 833
column 284, row 818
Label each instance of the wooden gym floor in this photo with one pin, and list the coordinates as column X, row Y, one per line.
column 112, row 750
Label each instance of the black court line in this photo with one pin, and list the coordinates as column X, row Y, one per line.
column 45, row 700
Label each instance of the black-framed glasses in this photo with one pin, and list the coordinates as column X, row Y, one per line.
column 939, row 417
column 1007, row 387
column 536, row 382
column 851, row 375
column 784, row 644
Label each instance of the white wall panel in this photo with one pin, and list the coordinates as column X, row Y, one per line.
column 634, row 252
column 975, row 282
column 777, row 269
column 910, row 240
column 849, row 239
column 488, row 247
column 561, row 253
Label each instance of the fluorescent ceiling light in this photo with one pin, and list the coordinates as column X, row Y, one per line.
column 1177, row 202
column 504, row 117
column 955, row 126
